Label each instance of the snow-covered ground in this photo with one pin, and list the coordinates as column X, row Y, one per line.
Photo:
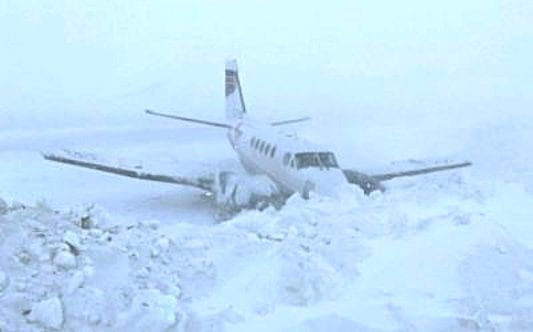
column 86, row 251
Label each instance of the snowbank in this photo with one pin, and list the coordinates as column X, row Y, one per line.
column 67, row 273
column 435, row 261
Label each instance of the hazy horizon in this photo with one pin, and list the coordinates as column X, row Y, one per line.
column 69, row 63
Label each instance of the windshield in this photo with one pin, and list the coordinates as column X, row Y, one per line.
column 315, row 159
column 328, row 159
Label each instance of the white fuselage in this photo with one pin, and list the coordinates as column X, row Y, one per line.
column 262, row 149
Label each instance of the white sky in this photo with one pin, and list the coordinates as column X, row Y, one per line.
column 62, row 62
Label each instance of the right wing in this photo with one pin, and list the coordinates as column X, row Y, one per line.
column 233, row 190
column 204, row 181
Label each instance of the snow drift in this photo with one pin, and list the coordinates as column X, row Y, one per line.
column 435, row 261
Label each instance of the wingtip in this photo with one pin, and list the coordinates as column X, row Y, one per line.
column 49, row 155
column 465, row 164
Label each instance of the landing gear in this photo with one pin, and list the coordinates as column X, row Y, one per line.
column 308, row 187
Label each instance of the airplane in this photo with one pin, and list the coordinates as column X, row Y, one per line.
column 276, row 164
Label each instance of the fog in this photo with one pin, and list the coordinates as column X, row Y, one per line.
column 390, row 86
column 66, row 63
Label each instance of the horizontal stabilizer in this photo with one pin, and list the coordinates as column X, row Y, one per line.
column 286, row 122
column 175, row 117
column 389, row 176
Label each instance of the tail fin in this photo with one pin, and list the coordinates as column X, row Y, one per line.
column 234, row 101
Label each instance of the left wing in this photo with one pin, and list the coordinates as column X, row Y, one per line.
column 366, row 182
column 370, row 183
column 422, row 171
column 204, row 181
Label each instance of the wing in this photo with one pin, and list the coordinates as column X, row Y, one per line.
column 421, row 171
column 370, row 183
column 205, row 181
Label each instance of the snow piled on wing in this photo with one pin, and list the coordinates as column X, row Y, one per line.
column 433, row 261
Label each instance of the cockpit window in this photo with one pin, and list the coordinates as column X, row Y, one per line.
column 328, row 159
column 315, row 159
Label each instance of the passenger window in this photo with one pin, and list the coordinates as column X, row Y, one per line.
column 252, row 142
column 262, row 147
column 273, row 152
column 286, row 159
column 267, row 150
column 292, row 163
column 256, row 144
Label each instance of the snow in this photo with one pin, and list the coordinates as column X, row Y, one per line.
column 47, row 313
column 449, row 251
column 150, row 311
column 386, row 83
column 65, row 259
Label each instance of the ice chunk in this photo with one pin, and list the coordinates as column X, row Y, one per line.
column 65, row 259
column 150, row 311
column 47, row 313
column 72, row 238
column 76, row 281
column 163, row 243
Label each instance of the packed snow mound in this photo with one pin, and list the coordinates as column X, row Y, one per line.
column 75, row 269
column 47, row 313
column 415, row 259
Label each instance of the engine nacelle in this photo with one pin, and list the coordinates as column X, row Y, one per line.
column 235, row 192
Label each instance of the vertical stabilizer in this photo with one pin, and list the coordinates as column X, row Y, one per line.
column 234, row 101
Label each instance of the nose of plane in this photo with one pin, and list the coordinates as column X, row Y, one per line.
column 327, row 183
